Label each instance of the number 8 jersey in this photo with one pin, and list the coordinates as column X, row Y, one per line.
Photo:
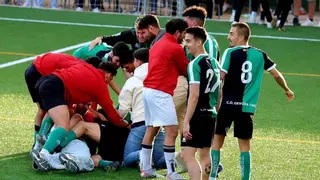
column 244, row 67
column 205, row 70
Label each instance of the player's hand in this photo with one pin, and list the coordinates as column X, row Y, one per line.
column 95, row 42
column 290, row 95
column 186, row 131
column 101, row 117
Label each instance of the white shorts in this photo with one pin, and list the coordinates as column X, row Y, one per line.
column 81, row 153
column 159, row 109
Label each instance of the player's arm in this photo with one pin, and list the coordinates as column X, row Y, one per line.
column 194, row 83
column 116, row 88
column 282, row 82
column 270, row 66
column 125, row 99
column 112, row 115
column 181, row 61
column 128, row 36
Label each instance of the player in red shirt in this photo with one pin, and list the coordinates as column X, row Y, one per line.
column 80, row 83
column 167, row 61
column 45, row 65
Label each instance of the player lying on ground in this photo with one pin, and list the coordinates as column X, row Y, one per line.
column 134, row 37
column 166, row 62
column 107, row 53
column 43, row 66
column 109, row 141
column 130, row 99
column 203, row 96
column 242, row 71
column 75, row 157
column 80, row 83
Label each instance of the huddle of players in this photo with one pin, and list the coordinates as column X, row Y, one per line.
column 211, row 106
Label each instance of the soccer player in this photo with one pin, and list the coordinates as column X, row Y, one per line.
column 80, row 83
column 166, row 62
column 199, row 122
column 42, row 66
column 107, row 54
column 242, row 71
column 134, row 37
column 130, row 99
column 196, row 16
column 150, row 24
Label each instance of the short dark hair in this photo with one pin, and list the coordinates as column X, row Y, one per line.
column 148, row 20
column 176, row 25
column 94, row 61
column 108, row 67
column 119, row 48
column 142, row 54
column 195, row 12
column 126, row 57
column 243, row 29
column 198, row 33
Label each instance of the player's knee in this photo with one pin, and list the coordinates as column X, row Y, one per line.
column 187, row 157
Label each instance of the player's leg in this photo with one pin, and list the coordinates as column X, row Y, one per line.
column 164, row 114
column 205, row 162
column 158, row 153
column 193, row 166
column 108, row 166
column 31, row 77
column 92, row 130
column 223, row 123
column 243, row 129
column 145, row 153
column 75, row 119
column 51, row 90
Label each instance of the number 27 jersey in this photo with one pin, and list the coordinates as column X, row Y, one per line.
column 205, row 70
column 244, row 66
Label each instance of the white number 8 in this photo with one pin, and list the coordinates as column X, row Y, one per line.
column 246, row 75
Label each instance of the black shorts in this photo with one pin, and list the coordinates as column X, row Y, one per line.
column 112, row 141
column 32, row 76
column 243, row 123
column 51, row 90
column 202, row 131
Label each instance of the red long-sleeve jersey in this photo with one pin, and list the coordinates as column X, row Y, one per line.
column 167, row 61
column 49, row 62
column 84, row 83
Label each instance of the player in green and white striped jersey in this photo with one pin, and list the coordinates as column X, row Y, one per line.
column 203, row 96
column 242, row 71
column 196, row 16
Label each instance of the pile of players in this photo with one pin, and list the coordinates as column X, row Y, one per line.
column 174, row 83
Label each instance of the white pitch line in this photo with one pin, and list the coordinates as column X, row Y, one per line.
column 19, row 61
column 118, row 27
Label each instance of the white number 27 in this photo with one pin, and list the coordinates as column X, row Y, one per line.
column 210, row 75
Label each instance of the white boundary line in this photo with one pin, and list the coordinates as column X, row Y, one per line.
column 19, row 61
column 116, row 26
